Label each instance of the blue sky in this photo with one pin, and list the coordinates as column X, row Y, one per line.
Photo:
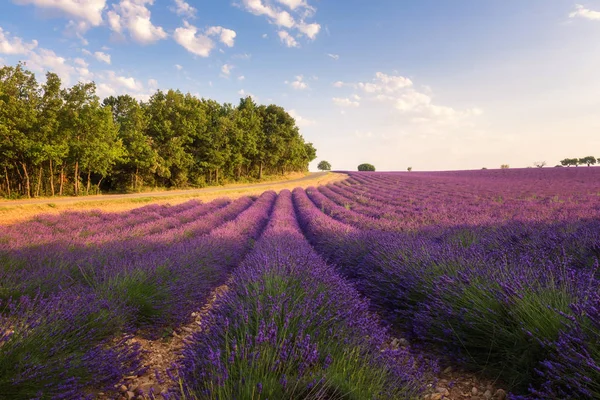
column 432, row 84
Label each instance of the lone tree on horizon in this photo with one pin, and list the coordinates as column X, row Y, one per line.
column 366, row 167
column 324, row 166
column 589, row 160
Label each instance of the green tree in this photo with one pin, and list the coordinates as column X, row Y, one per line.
column 324, row 166
column 589, row 160
column 19, row 100
column 366, row 167
column 139, row 160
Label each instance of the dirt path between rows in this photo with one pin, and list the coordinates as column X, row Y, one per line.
column 159, row 356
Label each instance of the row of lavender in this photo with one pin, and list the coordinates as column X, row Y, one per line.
column 290, row 327
column 67, row 308
column 507, row 287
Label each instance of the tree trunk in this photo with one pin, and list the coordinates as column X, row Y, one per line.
column 27, row 185
column 7, row 181
column 87, row 189
column 136, row 177
column 217, row 175
column 39, row 183
column 51, row 179
column 260, row 170
column 98, row 186
column 76, row 175
column 62, row 179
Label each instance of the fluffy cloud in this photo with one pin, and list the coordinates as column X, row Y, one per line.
column 334, row 56
column 188, row 37
column 416, row 105
column 345, row 102
column 293, row 4
column 287, row 39
column 201, row 44
column 298, row 84
column 586, row 13
column 11, row 45
column 226, row 36
column 383, row 83
column 296, row 20
column 103, row 57
column 184, row 9
column 89, row 11
column 134, row 16
column 179, row 67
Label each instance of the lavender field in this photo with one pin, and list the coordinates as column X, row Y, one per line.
column 491, row 272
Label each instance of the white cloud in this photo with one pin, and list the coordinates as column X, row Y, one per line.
column 103, row 57
column 226, row 69
column 298, row 84
column 383, row 83
column 338, row 84
column 241, row 78
column 198, row 44
column 287, row 39
column 184, row 9
column 300, row 11
column 118, row 81
column 301, row 121
column 134, row 16
column 14, row 45
column 334, row 56
column 264, row 36
column 310, row 30
column 226, row 36
column 89, row 11
column 81, row 62
column 293, row 4
column 345, row 102
column 179, row 67
column 586, row 13
column 48, row 60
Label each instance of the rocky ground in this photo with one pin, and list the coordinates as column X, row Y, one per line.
column 159, row 356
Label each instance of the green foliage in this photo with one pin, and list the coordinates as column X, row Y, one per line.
column 366, row 167
column 67, row 142
column 504, row 166
column 589, row 160
column 567, row 162
column 324, row 166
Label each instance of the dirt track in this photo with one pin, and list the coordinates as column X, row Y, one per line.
column 170, row 193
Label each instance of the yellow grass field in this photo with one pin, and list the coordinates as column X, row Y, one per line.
column 13, row 211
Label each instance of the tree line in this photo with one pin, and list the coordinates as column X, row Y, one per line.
column 65, row 141
column 589, row 160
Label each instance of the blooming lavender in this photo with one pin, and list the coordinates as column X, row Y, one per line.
column 290, row 327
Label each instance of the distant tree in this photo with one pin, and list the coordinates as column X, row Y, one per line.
column 366, row 167
column 540, row 164
column 324, row 166
column 484, row 168
column 504, row 166
column 567, row 162
column 409, row 169
column 589, row 160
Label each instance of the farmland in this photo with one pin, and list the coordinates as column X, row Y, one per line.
column 358, row 289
